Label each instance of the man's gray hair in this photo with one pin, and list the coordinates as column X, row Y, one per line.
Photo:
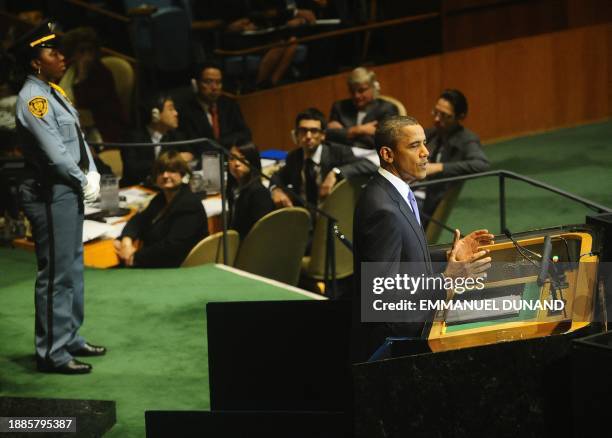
column 389, row 130
column 362, row 75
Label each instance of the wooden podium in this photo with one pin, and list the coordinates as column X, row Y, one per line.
column 578, row 296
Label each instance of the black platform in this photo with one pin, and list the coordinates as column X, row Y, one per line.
column 237, row 424
column 93, row 417
column 521, row 388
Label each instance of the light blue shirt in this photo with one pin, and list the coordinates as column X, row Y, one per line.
column 53, row 129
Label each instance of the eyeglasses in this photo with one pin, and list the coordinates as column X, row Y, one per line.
column 442, row 115
column 313, row 131
column 210, row 82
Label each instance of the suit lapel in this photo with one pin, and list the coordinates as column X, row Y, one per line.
column 407, row 212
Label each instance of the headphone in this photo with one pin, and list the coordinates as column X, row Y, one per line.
column 155, row 115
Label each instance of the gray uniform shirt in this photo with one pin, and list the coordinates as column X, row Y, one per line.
column 53, row 144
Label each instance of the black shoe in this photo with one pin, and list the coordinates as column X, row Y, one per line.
column 71, row 367
column 89, row 350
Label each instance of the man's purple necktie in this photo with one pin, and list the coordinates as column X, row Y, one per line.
column 415, row 207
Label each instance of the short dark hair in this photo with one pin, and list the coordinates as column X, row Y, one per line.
column 213, row 63
column 170, row 161
column 457, row 99
column 157, row 101
column 389, row 129
column 311, row 114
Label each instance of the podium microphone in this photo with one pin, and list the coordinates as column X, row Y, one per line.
column 522, row 250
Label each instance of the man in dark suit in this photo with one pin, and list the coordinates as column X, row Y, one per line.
column 353, row 121
column 315, row 166
column 162, row 122
column 210, row 114
column 453, row 149
column 387, row 231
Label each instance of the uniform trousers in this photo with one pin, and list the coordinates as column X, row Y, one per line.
column 56, row 216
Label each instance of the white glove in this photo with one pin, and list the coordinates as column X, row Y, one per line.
column 92, row 188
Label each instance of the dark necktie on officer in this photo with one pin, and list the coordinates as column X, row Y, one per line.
column 84, row 160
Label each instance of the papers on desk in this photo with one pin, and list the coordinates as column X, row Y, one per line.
column 212, row 206
column 95, row 230
column 136, row 197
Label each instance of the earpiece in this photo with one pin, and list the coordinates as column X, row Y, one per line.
column 155, row 115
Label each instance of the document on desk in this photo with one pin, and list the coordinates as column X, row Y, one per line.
column 95, row 230
column 136, row 197
column 212, row 206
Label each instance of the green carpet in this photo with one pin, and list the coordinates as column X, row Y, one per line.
column 577, row 160
column 155, row 333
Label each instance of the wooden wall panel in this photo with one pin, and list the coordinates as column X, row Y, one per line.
column 472, row 71
column 513, row 87
column 522, row 76
column 581, row 67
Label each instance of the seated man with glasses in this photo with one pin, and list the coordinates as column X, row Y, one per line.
column 453, row 149
column 312, row 169
column 210, row 114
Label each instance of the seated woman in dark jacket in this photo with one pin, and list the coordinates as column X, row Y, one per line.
column 173, row 223
column 248, row 199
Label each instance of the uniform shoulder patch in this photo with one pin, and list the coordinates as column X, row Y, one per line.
column 38, row 106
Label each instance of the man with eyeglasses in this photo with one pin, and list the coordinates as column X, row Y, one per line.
column 312, row 169
column 210, row 114
column 453, row 149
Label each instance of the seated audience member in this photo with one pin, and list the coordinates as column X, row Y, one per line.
column 173, row 223
column 162, row 121
column 453, row 149
column 353, row 121
column 211, row 115
column 312, row 169
column 248, row 199
column 244, row 18
column 91, row 86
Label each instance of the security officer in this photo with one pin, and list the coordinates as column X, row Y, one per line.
column 61, row 176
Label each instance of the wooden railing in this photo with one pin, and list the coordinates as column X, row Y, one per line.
column 331, row 34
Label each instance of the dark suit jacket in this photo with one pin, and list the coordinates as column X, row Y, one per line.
column 138, row 161
column 252, row 203
column 461, row 154
column 332, row 155
column 193, row 123
column 168, row 236
column 345, row 112
column 385, row 230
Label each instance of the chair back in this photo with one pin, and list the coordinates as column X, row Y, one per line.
column 123, row 75
column 276, row 244
column 442, row 212
column 210, row 250
column 400, row 106
column 340, row 204
column 112, row 157
column 171, row 39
